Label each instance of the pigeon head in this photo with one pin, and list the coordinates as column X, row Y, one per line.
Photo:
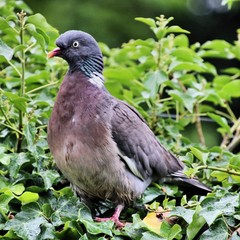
column 80, row 50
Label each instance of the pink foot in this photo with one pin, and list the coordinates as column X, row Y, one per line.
column 114, row 218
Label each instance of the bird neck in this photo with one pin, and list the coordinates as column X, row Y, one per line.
column 92, row 67
column 87, row 65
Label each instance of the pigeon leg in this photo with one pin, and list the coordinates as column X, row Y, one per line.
column 114, row 218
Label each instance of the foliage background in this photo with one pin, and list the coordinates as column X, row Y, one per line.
column 113, row 24
column 175, row 83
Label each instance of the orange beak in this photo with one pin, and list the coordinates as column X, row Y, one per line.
column 54, row 52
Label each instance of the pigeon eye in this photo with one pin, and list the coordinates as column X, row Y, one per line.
column 75, row 44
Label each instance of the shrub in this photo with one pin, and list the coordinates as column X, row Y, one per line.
column 173, row 86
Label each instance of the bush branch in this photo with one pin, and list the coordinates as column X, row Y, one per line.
column 229, row 171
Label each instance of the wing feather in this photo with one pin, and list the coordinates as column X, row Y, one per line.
column 138, row 147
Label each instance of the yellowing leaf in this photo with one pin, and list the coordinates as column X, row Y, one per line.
column 153, row 222
column 154, row 219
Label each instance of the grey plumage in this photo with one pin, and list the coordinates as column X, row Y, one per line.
column 101, row 144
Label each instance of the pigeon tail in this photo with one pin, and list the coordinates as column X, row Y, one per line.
column 190, row 186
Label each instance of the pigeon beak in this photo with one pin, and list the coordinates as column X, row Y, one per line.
column 54, row 52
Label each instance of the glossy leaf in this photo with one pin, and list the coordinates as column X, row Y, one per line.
column 212, row 208
column 6, row 51
column 28, row 197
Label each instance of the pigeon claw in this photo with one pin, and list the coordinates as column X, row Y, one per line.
column 117, row 222
column 114, row 218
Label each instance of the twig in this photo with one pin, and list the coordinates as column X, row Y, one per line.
column 5, row 116
column 11, row 127
column 232, row 172
column 236, row 139
column 42, row 87
column 21, row 17
column 15, row 68
column 199, row 126
column 234, row 143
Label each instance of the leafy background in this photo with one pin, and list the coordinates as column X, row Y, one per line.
column 174, row 86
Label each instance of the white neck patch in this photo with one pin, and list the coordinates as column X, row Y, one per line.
column 97, row 79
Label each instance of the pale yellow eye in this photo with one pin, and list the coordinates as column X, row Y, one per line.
column 75, row 44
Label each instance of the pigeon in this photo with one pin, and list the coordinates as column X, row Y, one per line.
column 102, row 145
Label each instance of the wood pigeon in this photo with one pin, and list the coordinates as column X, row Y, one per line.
column 101, row 144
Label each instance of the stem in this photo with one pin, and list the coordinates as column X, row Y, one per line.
column 29, row 47
column 39, row 88
column 11, row 127
column 234, row 143
column 233, row 117
column 199, row 126
column 236, row 125
column 177, row 111
column 236, row 139
column 15, row 68
column 21, row 17
column 5, row 116
column 232, row 172
column 164, row 99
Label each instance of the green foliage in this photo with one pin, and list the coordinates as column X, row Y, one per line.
column 229, row 2
column 162, row 77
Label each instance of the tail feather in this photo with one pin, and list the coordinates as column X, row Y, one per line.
column 189, row 185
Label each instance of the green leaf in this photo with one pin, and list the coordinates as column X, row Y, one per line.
column 221, row 121
column 49, row 177
column 65, row 209
column 231, row 89
column 219, row 175
column 217, row 49
column 220, row 81
column 27, row 223
column 39, row 38
column 6, row 51
column 48, row 32
column 151, row 235
column 174, row 232
column 186, row 54
column 4, row 24
column 150, row 194
column 19, row 102
column 29, row 131
column 47, row 210
column 47, row 232
column 186, row 214
column 176, row 29
column 71, row 230
column 165, row 229
column 195, row 226
column 234, row 162
column 4, row 202
column 17, row 188
column 84, row 237
column 94, row 227
column 17, row 162
column 149, row 21
column 185, row 66
column 5, row 158
column 28, row 197
column 181, row 40
column 217, row 231
column 212, row 208
column 186, row 99
column 122, row 74
column 154, row 80
column 220, row 45
column 202, row 156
